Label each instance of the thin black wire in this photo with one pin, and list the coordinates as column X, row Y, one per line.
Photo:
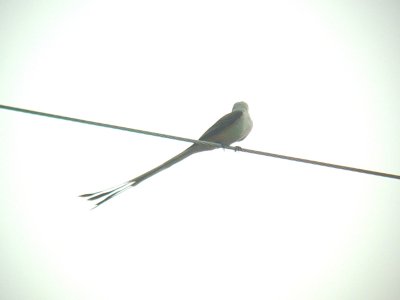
column 107, row 125
column 302, row 160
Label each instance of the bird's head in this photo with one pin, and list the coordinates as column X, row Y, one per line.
column 240, row 106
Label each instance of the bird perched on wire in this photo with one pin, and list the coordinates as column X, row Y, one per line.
column 231, row 128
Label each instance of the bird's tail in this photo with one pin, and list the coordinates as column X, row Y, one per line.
column 107, row 194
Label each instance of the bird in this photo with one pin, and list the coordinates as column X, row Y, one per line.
column 232, row 127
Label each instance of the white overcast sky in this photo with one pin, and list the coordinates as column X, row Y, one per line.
column 322, row 82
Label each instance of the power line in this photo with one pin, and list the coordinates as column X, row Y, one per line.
column 167, row 136
column 302, row 160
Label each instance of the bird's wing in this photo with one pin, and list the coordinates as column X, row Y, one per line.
column 221, row 125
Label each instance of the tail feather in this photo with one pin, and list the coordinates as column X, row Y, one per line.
column 107, row 194
column 111, row 194
column 97, row 195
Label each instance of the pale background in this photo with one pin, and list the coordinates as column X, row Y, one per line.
column 322, row 82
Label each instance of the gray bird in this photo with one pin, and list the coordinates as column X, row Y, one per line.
column 231, row 128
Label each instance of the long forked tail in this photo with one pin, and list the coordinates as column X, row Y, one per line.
column 107, row 194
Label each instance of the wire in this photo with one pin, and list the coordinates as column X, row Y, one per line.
column 302, row 160
column 108, row 125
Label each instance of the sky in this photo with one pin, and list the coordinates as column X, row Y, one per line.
column 321, row 79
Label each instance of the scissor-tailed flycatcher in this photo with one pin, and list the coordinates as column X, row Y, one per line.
column 231, row 128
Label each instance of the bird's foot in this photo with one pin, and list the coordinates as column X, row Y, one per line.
column 238, row 148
